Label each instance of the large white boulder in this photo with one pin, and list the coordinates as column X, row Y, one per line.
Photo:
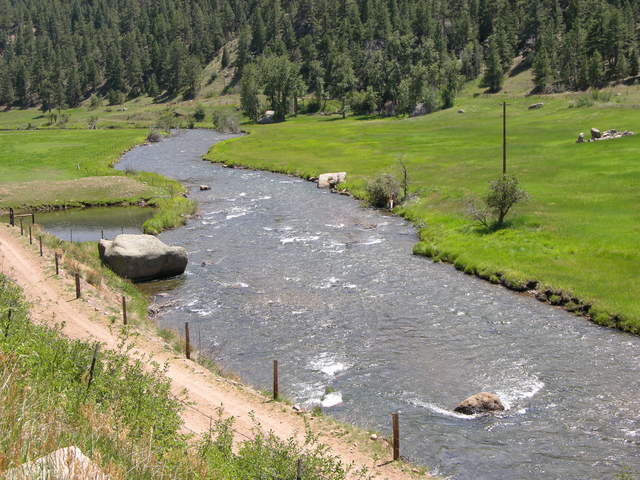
column 142, row 257
column 63, row 464
column 330, row 180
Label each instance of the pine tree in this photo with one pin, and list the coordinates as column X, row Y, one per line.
column 542, row 74
column 493, row 75
column 343, row 80
column 224, row 62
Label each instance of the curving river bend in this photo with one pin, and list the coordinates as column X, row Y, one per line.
column 280, row 269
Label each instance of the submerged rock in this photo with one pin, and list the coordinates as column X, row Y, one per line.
column 482, row 402
column 142, row 257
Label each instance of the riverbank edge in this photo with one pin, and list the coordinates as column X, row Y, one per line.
column 537, row 289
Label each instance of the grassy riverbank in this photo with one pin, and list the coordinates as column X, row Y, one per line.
column 45, row 169
column 577, row 235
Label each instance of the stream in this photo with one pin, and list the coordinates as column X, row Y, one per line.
column 282, row 270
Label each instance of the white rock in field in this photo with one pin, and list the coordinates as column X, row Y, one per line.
column 330, row 180
column 374, row 437
column 64, row 464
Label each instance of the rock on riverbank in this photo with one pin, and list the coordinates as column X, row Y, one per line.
column 142, row 257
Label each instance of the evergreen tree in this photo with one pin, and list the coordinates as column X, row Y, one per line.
column 224, row 62
column 343, row 80
column 494, row 74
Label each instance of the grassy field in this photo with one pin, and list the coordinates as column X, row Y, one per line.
column 577, row 234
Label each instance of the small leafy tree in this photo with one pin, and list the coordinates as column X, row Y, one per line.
column 504, row 193
column 226, row 121
column 249, row 92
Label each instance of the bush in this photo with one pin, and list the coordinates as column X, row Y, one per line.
column 364, row 102
column 199, row 115
column 503, row 194
column 167, row 121
column 226, row 121
column 95, row 102
column 383, row 190
column 154, row 136
column 116, row 97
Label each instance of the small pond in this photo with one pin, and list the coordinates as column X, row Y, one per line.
column 91, row 224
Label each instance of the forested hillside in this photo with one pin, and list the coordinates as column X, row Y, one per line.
column 374, row 54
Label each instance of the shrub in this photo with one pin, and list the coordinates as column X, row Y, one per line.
column 116, row 97
column 503, row 194
column 382, row 190
column 199, row 115
column 226, row 121
column 364, row 102
column 95, row 102
column 154, row 136
column 167, row 120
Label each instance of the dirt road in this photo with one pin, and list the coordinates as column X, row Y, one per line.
column 53, row 300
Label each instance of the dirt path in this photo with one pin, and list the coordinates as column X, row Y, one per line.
column 53, row 300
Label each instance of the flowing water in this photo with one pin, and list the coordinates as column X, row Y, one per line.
column 281, row 270
column 91, row 224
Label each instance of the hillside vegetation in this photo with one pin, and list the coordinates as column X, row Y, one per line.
column 578, row 232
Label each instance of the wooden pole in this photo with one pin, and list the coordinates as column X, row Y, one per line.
column 57, row 264
column 33, row 218
column 276, row 380
column 504, row 138
column 12, row 217
column 30, row 236
column 187, row 343
column 299, row 469
column 78, row 292
column 93, row 364
column 396, row 436
column 6, row 328
column 124, row 310
column 40, row 240
column 102, row 233
column 21, row 228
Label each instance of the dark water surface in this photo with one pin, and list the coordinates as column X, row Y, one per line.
column 280, row 269
column 90, row 224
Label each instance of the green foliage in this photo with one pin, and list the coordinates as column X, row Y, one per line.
column 199, row 114
column 249, row 92
column 282, row 83
column 226, row 121
column 364, row 102
column 172, row 212
column 382, row 190
column 504, row 194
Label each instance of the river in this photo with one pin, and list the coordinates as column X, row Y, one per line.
column 282, row 270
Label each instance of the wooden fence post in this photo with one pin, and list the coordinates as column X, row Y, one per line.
column 124, row 310
column 276, row 380
column 41, row 252
column 187, row 344
column 93, row 365
column 21, row 228
column 57, row 264
column 299, row 469
column 30, row 236
column 6, row 328
column 33, row 218
column 78, row 292
column 396, row 436
column 12, row 217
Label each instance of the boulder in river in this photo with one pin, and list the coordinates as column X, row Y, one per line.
column 142, row 257
column 330, row 180
column 482, row 402
column 204, row 187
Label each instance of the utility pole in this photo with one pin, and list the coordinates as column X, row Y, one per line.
column 504, row 138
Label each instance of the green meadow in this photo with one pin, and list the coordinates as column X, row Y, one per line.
column 71, row 168
column 578, row 233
